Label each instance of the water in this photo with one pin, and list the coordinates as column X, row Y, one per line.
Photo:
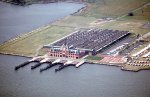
column 16, row 20
column 87, row 81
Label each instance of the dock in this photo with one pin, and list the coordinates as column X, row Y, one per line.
column 51, row 61
column 56, row 61
column 80, row 63
column 46, row 60
column 63, row 66
column 37, row 59
column 48, row 67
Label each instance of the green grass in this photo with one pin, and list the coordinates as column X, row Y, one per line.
column 112, row 8
column 28, row 44
column 134, row 26
column 120, row 8
column 93, row 58
column 75, row 21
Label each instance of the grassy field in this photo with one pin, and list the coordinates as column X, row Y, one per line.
column 134, row 26
column 75, row 21
column 28, row 44
column 112, row 8
column 93, row 58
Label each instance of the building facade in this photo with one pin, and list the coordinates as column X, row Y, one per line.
column 64, row 51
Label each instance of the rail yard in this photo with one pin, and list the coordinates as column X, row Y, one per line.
column 88, row 42
column 93, row 39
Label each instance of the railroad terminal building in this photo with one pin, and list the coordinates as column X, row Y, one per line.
column 64, row 51
column 81, row 43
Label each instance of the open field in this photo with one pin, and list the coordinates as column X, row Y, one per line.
column 134, row 26
column 75, row 21
column 112, row 8
column 28, row 44
column 93, row 58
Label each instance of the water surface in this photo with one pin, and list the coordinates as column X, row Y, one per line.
column 16, row 20
column 87, row 81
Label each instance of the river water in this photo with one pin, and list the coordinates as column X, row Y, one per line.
column 16, row 20
column 87, row 81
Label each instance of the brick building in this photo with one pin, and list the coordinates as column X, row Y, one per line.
column 64, row 51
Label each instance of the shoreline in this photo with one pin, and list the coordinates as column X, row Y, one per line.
column 16, row 55
column 48, row 25
column 134, row 70
column 123, row 66
column 90, row 62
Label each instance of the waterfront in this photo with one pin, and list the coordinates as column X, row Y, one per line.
column 90, row 80
column 87, row 81
column 17, row 20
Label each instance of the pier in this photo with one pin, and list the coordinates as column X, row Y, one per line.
column 46, row 60
column 66, row 64
column 63, row 66
column 48, row 67
column 80, row 63
column 51, row 61
column 36, row 59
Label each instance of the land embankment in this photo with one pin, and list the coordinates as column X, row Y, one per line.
column 116, row 10
column 127, row 67
column 23, row 45
column 118, row 61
